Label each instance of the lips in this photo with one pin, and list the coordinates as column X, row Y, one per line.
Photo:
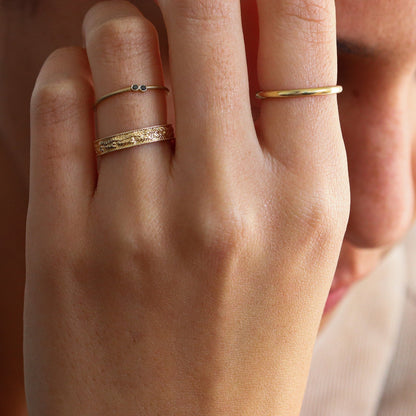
column 334, row 297
column 344, row 278
column 353, row 265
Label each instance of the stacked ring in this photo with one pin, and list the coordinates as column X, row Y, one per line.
column 165, row 132
column 133, row 138
column 133, row 88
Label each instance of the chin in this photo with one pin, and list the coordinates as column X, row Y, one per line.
column 354, row 264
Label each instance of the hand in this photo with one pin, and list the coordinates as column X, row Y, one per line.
column 192, row 281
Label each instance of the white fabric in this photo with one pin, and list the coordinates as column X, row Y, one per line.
column 364, row 361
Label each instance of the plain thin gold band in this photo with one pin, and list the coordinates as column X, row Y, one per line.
column 132, row 138
column 301, row 92
column 133, row 88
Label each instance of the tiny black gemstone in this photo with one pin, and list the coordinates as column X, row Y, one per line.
column 143, row 88
column 134, row 87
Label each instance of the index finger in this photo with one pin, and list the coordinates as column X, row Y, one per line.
column 297, row 49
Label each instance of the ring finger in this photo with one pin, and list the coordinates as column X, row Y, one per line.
column 122, row 48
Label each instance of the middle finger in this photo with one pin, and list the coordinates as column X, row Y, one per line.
column 214, row 126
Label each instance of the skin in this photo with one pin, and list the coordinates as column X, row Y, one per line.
column 376, row 117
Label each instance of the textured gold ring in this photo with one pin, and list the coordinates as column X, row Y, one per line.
column 132, row 88
column 132, row 138
column 300, row 92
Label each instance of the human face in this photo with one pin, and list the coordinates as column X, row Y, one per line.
column 377, row 63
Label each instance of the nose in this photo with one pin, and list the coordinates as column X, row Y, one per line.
column 378, row 138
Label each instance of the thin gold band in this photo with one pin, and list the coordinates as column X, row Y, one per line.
column 300, row 92
column 133, row 88
column 132, row 138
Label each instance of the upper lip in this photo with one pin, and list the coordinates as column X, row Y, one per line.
column 338, row 286
column 347, row 276
column 352, row 266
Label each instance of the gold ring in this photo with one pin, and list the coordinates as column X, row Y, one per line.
column 132, row 138
column 132, row 88
column 300, row 92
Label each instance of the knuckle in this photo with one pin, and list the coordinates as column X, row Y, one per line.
column 205, row 11
column 323, row 216
column 221, row 231
column 149, row 238
column 314, row 20
column 128, row 36
column 63, row 53
column 132, row 245
column 60, row 100
column 309, row 10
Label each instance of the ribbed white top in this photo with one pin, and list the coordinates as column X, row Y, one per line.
column 364, row 362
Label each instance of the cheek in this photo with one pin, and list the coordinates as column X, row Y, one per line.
column 379, row 146
column 382, row 200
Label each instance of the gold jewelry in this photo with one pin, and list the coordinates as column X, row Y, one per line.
column 301, row 92
column 133, row 138
column 132, row 88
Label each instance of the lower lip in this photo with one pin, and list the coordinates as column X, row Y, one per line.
column 334, row 297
